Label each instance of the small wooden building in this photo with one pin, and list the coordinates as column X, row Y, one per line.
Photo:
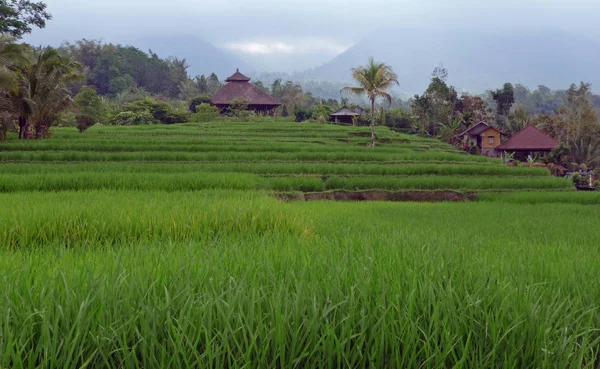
column 239, row 86
column 344, row 115
column 485, row 137
column 529, row 141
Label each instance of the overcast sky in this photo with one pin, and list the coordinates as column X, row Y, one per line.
column 302, row 33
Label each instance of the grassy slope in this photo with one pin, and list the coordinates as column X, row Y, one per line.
column 302, row 157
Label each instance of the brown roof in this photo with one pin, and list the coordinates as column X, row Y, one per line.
column 237, row 76
column 345, row 112
column 237, row 86
column 529, row 139
column 478, row 129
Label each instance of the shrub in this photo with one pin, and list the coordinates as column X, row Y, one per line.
column 199, row 100
column 159, row 110
column 238, row 107
column 83, row 122
column 205, row 113
column 126, row 118
column 321, row 112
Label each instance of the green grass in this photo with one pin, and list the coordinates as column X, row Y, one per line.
column 164, row 247
column 536, row 197
column 126, row 280
column 194, row 181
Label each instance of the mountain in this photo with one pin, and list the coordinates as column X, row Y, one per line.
column 475, row 61
column 202, row 57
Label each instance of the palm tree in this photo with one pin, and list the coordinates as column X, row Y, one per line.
column 374, row 79
column 42, row 90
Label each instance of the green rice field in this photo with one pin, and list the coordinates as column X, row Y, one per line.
column 167, row 247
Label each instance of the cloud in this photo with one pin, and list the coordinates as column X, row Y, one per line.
column 287, row 47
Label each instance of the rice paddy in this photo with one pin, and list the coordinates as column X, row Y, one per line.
column 189, row 262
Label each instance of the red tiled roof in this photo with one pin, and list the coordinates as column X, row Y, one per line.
column 238, row 87
column 237, row 76
column 529, row 139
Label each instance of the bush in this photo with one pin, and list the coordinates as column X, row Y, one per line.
column 127, row 118
column 239, row 108
column 199, row 100
column 302, row 115
column 321, row 113
column 160, row 111
column 205, row 113
column 83, row 122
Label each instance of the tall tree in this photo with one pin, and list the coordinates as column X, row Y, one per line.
column 17, row 17
column 437, row 106
column 504, row 98
column 374, row 80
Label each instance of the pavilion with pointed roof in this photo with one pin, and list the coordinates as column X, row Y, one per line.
column 239, row 86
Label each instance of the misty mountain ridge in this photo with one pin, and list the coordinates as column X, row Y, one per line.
column 201, row 56
column 476, row 61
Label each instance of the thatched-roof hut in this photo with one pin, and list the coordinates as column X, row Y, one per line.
column 239, row 86
column 344, row 115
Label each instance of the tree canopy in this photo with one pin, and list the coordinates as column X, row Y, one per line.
column 17, row 17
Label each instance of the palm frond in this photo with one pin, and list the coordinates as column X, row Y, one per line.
column 358, row 91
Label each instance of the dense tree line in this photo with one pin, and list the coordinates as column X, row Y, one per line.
column 114, row 69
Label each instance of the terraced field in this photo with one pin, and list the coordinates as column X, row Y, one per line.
column 165, row 247
column 250, row 156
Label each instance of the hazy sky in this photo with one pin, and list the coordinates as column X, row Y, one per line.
column 292, row 34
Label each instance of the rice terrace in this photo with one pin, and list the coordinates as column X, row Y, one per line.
column 166, row 246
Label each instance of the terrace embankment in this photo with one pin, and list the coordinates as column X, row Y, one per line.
column 402, row 196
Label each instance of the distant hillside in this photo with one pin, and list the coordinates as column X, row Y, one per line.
column 475, row 61
column 202, row 57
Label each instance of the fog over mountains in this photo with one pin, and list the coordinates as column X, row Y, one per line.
column 475, row 61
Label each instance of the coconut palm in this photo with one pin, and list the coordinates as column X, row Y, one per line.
column 42, row 92
column 374, row 80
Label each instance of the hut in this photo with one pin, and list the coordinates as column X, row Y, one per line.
column 529, row 141
column 239, row 86
column 344, row 115
column 485, row 137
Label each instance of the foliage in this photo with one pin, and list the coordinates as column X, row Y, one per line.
column 90, row 104
column 112, row 69
column 42, row 92
column 321, row 112
column 161, row 112
column 202, row 99
column 290, row 95
column 83, row 122
column 205, row 113
column 120, row 84
column 504, row 98
column 437, row 107
column 17, row 17
column 129, row 117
